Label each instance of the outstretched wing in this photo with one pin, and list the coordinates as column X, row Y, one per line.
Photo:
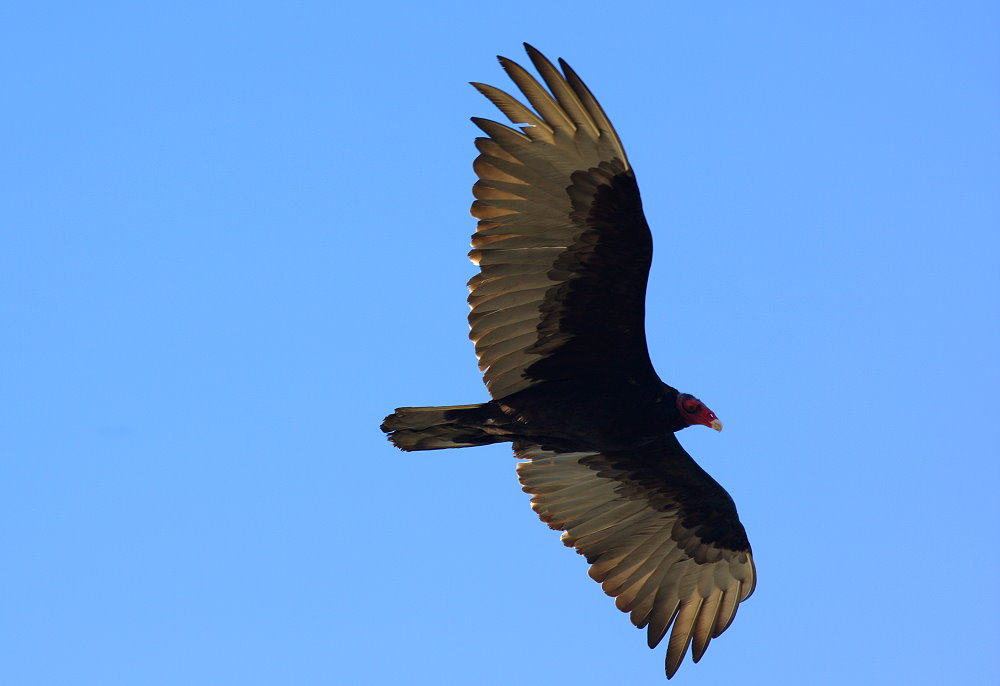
column 661, row 536
column 562, row 244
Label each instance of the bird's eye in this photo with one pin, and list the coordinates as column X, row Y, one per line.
column 692, row 407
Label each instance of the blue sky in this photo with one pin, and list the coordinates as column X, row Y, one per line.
column 234, row 239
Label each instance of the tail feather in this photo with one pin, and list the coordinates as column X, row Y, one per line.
column 434, row 428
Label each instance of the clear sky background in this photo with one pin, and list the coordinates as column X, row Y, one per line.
column 233, row 239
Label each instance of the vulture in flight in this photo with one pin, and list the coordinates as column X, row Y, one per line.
column 558, row 310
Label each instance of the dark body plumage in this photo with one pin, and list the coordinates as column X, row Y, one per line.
column 558, row 319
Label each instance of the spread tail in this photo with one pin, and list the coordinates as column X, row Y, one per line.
column 449, row 426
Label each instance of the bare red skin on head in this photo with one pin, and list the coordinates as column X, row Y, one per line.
column 693, row 411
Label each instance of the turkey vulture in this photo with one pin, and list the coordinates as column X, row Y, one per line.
column 557, row 318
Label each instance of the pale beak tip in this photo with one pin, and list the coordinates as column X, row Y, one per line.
column 717, row 425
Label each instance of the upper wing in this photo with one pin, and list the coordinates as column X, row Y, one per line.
column 562, row 243
column 661, row 535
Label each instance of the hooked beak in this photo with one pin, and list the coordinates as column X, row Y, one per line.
column 698, row 412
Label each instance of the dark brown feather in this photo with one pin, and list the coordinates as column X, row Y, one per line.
column 558, row 200
column 658, row 531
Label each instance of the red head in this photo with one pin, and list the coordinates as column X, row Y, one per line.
column 693, row 411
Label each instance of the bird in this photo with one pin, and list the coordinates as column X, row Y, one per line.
column 558, row 322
